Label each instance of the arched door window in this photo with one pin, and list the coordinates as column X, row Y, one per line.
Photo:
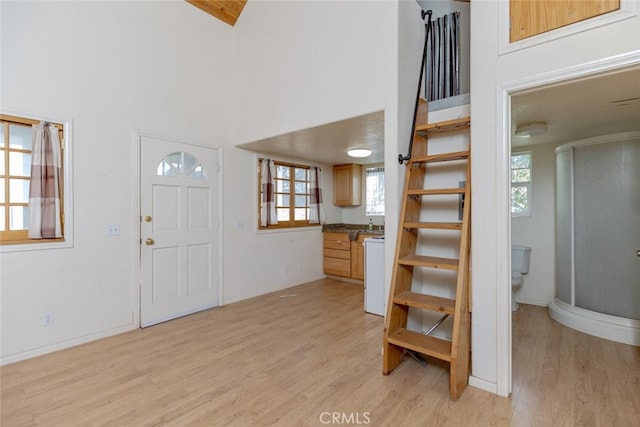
column 181, row 164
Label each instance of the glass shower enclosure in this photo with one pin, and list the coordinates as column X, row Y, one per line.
column 598, row 237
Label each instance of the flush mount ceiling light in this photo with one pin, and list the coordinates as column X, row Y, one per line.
column 359, row 152
column 528, row 130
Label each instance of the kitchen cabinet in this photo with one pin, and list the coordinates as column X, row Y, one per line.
column 347, row 185
column 357, row 257
column 344, row 257
column 337, row 254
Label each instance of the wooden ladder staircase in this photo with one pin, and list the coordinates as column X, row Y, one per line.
column 397, row 338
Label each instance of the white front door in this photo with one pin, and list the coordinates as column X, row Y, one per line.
column 179, row 205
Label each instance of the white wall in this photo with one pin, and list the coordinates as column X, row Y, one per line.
column 321, row 62
column 538, row 230
column 170, row 69
column 112, row 68
column 491, row 71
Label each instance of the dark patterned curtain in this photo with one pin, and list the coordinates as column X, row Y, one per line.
column 442, row 63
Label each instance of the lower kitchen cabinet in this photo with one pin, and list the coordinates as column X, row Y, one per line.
column 337, row 254
column 343, row 257
column 357, row 257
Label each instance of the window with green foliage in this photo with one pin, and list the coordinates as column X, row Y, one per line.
column 521, row 184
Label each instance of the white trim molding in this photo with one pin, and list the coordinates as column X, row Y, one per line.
column 483, row 384
column 39, row 351
column 503, row 245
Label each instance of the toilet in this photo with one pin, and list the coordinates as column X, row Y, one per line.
column 520, row 256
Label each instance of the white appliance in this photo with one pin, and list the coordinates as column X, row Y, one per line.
column 374, row 300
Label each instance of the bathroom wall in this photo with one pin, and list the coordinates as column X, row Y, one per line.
column 538, row 230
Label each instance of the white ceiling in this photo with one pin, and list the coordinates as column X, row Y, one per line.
column 586, row 107
column 597, row 105
column 328, row 144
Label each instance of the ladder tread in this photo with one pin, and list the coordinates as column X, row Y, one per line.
column 427, row 302
column 435, row 191
column 425, row 344
column 434, row 225
column 443, row 157
column 445, row 126
column 429, row 261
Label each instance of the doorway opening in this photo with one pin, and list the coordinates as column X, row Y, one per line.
column 581, row 102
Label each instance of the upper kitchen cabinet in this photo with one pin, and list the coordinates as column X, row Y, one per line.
column 347, row 185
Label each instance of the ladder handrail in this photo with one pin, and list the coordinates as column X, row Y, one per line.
column 427, row 27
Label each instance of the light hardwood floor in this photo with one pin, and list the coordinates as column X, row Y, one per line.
column 291, row 357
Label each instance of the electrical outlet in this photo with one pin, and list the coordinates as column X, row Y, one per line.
column 113, row 230
column 48, row 319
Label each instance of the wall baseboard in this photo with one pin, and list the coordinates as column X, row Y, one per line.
column 280, row 288
column 532, row 301
column 483, row 384
column 17, row 357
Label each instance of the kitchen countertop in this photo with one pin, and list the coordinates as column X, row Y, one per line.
column 347, row 228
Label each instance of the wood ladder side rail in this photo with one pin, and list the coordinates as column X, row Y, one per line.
column 461, row 340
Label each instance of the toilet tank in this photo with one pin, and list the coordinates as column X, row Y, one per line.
column 520, row 256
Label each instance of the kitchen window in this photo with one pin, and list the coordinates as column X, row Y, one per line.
column 291, row 187
column 374, row 185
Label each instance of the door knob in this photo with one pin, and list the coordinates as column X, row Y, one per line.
column 638, row 252
column 150, row 241
column 147, row 218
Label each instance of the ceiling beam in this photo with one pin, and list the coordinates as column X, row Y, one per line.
column 226, row 11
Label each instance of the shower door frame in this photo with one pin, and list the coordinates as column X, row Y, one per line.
column 591, row 322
